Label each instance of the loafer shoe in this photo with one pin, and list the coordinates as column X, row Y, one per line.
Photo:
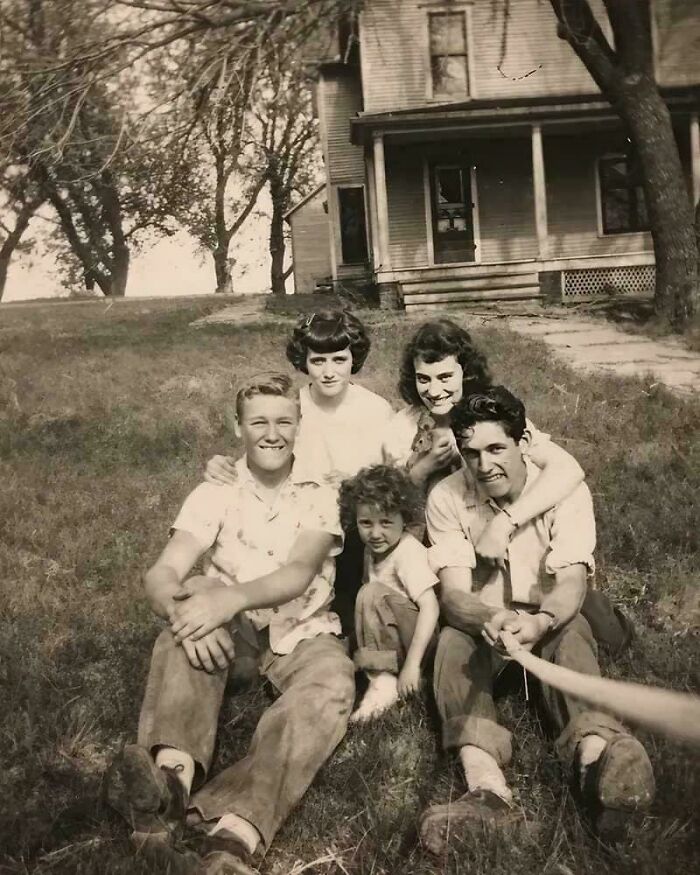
column 151, row 799
column 477, row 809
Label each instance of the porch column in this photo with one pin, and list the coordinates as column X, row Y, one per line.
column 540, row 187
column 372, row 199
column 382, row 202
column 695, row 156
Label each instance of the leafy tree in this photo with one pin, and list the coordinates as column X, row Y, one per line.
column 20, row 202
column 624, row 72
column 103, row 175
column 290, row 149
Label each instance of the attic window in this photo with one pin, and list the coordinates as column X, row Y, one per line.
column 622, row 206
column 448, row 54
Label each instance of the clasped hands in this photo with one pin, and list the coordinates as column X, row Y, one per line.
column 203, row 606
column 527, row 629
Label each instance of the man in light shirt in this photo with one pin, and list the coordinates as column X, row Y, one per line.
column 266, row 595
column 536, row 594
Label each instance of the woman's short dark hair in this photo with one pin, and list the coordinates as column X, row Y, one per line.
column 495, row 404
column 328, row 331
column 383, row 487
column 434, row 341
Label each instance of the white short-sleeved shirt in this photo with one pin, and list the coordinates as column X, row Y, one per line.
column 336, row 444
column 405, row 569
column 251, row 538
column 457, row 512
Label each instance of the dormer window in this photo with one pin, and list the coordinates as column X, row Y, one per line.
column 449, row 70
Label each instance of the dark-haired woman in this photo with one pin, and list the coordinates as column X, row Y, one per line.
column 440, row 365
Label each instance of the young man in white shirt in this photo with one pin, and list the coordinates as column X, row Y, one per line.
column 536, row 594
column 273, row 534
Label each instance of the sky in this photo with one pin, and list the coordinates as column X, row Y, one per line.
column 172, row 267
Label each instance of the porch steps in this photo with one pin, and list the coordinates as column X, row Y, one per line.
column 420, row 294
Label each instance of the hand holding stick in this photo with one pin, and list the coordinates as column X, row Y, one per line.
column 665, row 712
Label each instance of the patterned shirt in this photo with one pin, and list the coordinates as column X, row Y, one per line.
column 458, row 512
column 405, row 569
column 251, row 538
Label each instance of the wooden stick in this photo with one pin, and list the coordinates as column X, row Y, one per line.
column 666, row 712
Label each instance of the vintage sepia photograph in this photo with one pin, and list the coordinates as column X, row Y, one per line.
column 349, row 437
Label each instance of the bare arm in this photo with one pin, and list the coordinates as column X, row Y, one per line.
column 202, row 612
column 560, row 475
column 163, row 581
column 461, row 608
column 564, row 602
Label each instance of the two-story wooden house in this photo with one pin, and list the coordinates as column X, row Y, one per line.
column 470, row 158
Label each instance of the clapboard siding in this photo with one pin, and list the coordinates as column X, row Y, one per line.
column 572, row 210
column 393, row 39
column 311, row 246
column 407, row 232
column 342, row 98
column 677, row 42
column 504, row 195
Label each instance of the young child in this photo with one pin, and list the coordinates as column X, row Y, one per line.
column 396, row 610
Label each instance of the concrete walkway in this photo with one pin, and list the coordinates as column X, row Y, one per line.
column 597, row 345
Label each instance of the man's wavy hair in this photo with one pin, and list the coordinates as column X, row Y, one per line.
column 433, row 342
column 495, row 404
column 265, row 383
column 381, row 486
column 328, row 331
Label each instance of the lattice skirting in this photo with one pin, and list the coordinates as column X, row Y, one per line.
column 594, row 282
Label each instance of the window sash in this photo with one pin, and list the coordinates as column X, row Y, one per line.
column 447, row 37
column 622, row 204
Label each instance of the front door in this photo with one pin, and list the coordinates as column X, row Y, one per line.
column 453, row 214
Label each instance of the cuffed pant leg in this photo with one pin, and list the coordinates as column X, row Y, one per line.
column 574, row 647
column 385, row 622
column 293, row 739
column 181, row 704
column 463, row 683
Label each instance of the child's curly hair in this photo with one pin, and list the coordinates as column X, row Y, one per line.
column 328, row 331
column 383, row 487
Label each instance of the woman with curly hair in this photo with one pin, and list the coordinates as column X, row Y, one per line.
column 440, row 365
column 396, row 610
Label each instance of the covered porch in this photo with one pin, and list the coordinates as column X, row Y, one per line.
column 508, row 202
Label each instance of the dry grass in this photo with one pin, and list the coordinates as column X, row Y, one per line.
column 106, row 418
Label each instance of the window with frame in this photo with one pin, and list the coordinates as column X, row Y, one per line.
column 622, row 205
column 449, row 70
column 353, row 228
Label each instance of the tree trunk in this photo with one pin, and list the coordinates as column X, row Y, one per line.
column 13, row 239
column 668, row 203
column 222, row 269
column 277, row 245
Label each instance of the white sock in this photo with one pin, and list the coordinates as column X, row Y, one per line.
column 241, row 828
column 381, row 694
column 483, row 772
column 180, row 762
column 590, row 749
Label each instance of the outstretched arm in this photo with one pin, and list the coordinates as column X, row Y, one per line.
column 200, row 613
column 428, row 611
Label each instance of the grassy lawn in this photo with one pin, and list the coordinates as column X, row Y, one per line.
column 107, row 415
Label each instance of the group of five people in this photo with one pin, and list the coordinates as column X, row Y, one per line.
column 346, row 523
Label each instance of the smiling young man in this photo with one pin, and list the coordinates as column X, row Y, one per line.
column 267, row 591
column 536, row 594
